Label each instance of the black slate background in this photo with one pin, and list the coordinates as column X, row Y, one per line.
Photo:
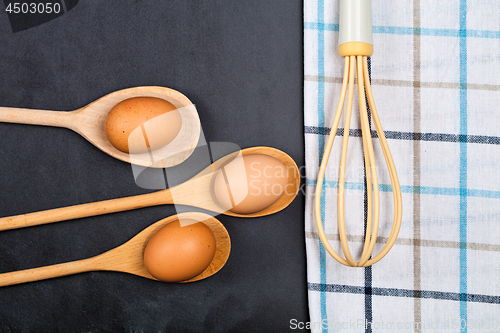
column 241, row 65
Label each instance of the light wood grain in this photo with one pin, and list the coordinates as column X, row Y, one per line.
column 129, row 257
column 89, row 122
column 196, row 192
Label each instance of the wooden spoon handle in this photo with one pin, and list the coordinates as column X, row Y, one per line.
column 36, row 117
column 47, row 272
column 85, row 210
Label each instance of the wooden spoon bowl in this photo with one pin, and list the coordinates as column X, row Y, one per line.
column 89, row 120
column 291, row 189
column 129, row 257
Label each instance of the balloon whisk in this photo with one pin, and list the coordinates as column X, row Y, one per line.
column 355, row 46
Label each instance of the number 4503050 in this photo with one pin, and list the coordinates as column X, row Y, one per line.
column 33, row 8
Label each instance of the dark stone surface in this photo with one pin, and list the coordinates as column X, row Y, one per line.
column 240, row 63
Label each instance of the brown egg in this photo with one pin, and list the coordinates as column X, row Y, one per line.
column 250, row 183
column 180, row 251
column 138, row 124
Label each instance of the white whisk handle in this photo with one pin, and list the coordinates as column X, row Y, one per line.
column 355, row 22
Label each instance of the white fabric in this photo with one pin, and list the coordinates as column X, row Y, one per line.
column 435, row 77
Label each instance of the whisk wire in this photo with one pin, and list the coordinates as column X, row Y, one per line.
column 372, row 234
column 322, row 169
column 396, row 189
column 342, row 170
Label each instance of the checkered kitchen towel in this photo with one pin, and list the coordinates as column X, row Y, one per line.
column 435, row 74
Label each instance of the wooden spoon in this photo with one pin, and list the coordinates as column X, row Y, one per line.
column 88, row 121
column 197, row 192
column 129, row 257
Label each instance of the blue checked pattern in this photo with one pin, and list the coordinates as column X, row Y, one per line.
column 435, row 76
